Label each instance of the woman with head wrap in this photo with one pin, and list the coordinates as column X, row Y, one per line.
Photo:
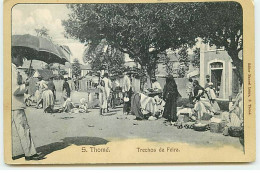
column 201, row 105
column 170, row 95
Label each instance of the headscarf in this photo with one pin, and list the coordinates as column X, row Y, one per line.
column 170, row 87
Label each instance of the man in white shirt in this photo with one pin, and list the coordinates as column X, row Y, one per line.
column 22, row 143
column 126, row 86
column 126, row 83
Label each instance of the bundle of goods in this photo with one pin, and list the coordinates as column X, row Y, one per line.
column 183, row 120
column 178, row 124
column 206, row 116
column 189, row 125
column 235, row 131
column 217, row 125
column 201, row 127
column 184, row 117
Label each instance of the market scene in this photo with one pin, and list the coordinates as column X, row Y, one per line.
column 85, row 75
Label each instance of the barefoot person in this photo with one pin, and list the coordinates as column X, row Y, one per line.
column 22, row 143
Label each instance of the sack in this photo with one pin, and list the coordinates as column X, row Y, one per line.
column 200, row 127
column 206, row 116
column 235, row 131
column 225, row 131
column 217, row 127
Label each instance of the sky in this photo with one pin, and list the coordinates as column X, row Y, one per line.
column 28, row 17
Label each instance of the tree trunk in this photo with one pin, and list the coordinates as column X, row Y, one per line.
column 238, row 63
column 149, row 77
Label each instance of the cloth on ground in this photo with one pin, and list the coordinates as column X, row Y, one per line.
column 148, row 104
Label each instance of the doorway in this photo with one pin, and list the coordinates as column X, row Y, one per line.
column 216, row 76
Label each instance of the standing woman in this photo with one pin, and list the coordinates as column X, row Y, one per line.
column 170, row 95
column 66, row 88
column 102, row 97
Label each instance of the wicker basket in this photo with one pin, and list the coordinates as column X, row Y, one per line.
column 217, row 127
column 235, row 131
column 201, row 127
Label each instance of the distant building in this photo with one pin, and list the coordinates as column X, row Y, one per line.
column 218, row 65
column 85, row 69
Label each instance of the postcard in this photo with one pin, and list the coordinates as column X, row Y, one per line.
column 129, row 82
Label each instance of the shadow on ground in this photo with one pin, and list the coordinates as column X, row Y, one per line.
column 84, row 140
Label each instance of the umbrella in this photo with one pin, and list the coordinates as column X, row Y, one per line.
column 37, row 48
column 63, row 54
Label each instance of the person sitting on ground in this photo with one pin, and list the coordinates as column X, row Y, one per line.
column 42, row 87
column 160, row 105
column 83, row 108
column 200, row 106
column 68, row 105
column 156, row 85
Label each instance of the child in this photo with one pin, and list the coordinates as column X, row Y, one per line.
column 68, row 105
column 84, row 106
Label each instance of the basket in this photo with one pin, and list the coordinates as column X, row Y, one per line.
column 189, row 125
column 200, row 127
column 184, row 117
column 235, row 131
column 206, row 116
column 217, row 127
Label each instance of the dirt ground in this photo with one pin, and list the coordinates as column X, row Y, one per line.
column 53, row 132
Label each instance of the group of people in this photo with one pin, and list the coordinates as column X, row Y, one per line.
column 163, row 103
column 203, row 99
column 111, row 91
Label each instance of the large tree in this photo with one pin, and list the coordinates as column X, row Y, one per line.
column 105, row 57
column 76, row 70
column 145, row 30
column 221, row 24
column 43, row 32
column 140, row 30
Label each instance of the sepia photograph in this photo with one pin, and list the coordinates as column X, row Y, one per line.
column 89, row 75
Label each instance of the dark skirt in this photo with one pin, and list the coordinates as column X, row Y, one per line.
column 170, row 110
column 136, row 106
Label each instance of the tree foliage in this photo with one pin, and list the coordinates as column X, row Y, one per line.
column 183, row 61
column 105, row 57
column 196, row 58
column 76, row 70
column 140, row 30
column 43, row 32
column 221, row 24
column 145, row 30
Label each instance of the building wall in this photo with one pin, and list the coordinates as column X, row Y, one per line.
column 211, row 56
